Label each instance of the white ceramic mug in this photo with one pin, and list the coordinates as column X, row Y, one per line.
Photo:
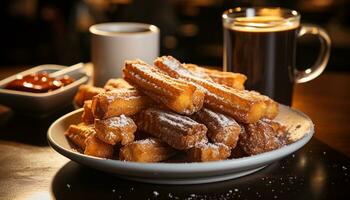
column 113, row 43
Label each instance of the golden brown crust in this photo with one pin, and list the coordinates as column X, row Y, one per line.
column 77, row 134
column 208, row 152
column 87, row 116
column 86, row 92
column 197, row 71
column 97, row 148
column 234, row 80
column 115, row 129
column 260, row 137
column 244, row 106
column 84, row 137
column 221, row 128
column 147, row 150
column 116, row 84
column 180, row 132
column 178, row 95
column 118, row 102
column 230, row 79
column 280, row 131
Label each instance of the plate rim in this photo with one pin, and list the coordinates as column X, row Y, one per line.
column 229, row 164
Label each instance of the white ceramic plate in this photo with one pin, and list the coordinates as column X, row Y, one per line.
column 41, row 103
column 300, row 126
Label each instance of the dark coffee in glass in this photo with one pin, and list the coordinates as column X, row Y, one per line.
column 261, row 43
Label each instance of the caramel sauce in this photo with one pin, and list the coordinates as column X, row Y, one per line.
column 38, row 83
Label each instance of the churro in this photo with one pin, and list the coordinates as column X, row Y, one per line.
column 279, row 130
column 118, row 102
column 98, row 148
column 178, row 95
column 244, row 106
column 116, row 84
column 77, row 134
column 147, row 150
column 84, row 137
column 86, row 92
column 87, row 116
column 260, row 137
column 230, row 79
column 178, row 131
column 115, row 129
column 208, row 152
column 221, row 128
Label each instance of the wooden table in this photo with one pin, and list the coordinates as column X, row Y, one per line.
column 326, row 100
column 30, row 169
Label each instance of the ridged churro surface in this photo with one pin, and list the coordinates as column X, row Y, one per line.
column 178, row 95
column 244, row 106
column 221, row 128
column 115, row 129
column 180, row 132
column 116, row 84
column 117, row 102
column 262, row 136
column 96, row 147
column 230, row 79
column 84, row 137
column 147, row 150
column 77, row 134
column 86, row 92
column 87, row 116
column 208, row 152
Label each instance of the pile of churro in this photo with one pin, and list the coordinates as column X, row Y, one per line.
column 175, row 112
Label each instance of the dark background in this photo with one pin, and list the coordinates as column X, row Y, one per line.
column 56, row 31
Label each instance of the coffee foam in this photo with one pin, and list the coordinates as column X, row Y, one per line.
column 262, row 24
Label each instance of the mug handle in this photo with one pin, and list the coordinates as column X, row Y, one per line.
column 301, row 76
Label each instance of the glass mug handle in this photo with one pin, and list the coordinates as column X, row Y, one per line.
column 301, row 76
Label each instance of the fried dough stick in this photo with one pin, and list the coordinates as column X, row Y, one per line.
column 116, row 129
column 86, row 92
column 178, row 131
column 77, row 134
column 116, row 84
column 208, row 152
column 280, row 131
column 221, row 128
column 147, row 150
column 87, row 116
column 260, row 137
column 178, row 95
column 118, row 102
column 96, row 147
column 83, row 136
column 244, row 106
column 230, row 79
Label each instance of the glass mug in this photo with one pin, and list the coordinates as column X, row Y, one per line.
column 261, row 43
